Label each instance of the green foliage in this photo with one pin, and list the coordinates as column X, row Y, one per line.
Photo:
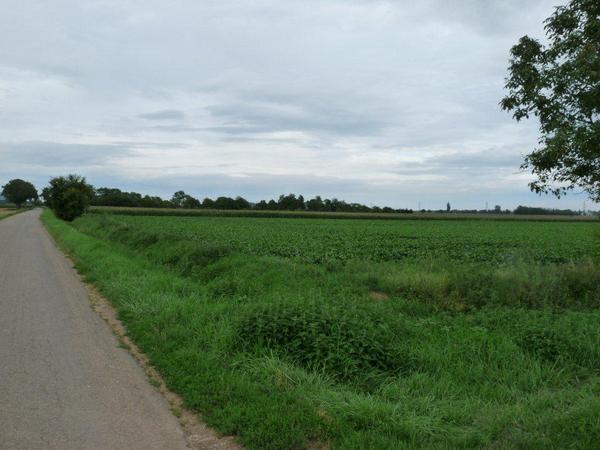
column 544, row 343
column 320, row 241
column 19, row 191
column 182, row 200
column 69, row 197
column 449, row 265
column 460, row 287
column 560, row 85
column 105, row 196
column 349, row 347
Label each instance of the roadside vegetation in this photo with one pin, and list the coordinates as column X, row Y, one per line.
column 295, row 333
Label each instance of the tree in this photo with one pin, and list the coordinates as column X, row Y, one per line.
column 178, row 199
column 559, row 83
column 18, row 191
column 190, row 202
column 225, row 203
column 262, row 205
column 69, row 197
column 208, row 203
column 448, row 208
column 241, row 203
column 315, row 204
column 105, row 196
column 290, row 202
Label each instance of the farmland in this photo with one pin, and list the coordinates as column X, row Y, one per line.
column 316, row 241
column 317, row 333
column 5, row 212
column 179, row 212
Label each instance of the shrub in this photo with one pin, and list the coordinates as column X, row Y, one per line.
column 349, row 348
column 69, row 197
column 543, row 343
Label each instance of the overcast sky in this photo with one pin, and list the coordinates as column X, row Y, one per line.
column 381, row 102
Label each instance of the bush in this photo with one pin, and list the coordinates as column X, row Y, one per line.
column 544, row 343
column 69, row 197
column 349, row 348
column 467, row 287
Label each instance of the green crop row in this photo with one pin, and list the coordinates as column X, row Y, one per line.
column 322, row 241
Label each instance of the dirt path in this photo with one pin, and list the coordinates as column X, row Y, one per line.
column 64, row 382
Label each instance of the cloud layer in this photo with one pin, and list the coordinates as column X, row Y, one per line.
column 384, row 102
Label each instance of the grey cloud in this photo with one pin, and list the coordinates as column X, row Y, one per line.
column 175, row 128
column 247, row 118
column 165, row 114
column 342, row 78
column 492, row 158
column 53, row 154
column 146, row 144
column 489, row 17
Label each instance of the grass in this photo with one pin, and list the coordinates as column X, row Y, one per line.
column 292, row 352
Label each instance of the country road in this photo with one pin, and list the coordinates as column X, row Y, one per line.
column 64, row 382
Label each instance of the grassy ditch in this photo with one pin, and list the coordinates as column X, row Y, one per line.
column 290, row 354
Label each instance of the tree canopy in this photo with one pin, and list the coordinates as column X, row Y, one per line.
column 19, row 191
column 69, row 196
column 559, row 83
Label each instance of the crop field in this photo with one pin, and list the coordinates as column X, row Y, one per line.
column 318, row 240
column 138, row 211
column 361, row 334
column 5, row 212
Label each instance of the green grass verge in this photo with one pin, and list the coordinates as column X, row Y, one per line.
column 286, row 354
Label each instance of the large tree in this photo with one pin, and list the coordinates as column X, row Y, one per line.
column 18, row 191
column 559, row 83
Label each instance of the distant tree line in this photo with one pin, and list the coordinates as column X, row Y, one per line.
column 70, row 196
column 495, row 210
column 530, row 210
column 115, row 197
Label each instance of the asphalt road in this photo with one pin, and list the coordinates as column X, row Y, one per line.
column 64, row 382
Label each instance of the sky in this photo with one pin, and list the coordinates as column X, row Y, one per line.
column 379, row 102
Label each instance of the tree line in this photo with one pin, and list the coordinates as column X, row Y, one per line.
column 291, row 202
column 71, row 195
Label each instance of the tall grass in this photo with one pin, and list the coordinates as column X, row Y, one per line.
column 286, row 354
